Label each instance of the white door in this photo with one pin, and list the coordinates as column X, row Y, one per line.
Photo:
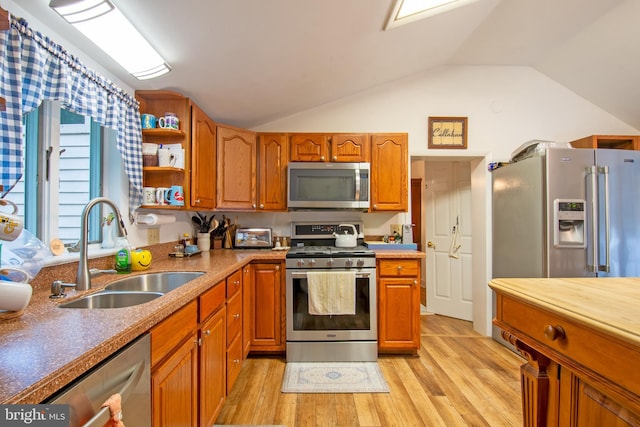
column 447, row 222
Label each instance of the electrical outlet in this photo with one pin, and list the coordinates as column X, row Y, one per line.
column 395, row 228
column 153, row 236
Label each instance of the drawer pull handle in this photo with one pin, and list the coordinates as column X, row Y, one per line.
column 554, row 333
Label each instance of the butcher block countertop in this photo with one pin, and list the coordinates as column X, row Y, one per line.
column 610, row 305
column 47, row 347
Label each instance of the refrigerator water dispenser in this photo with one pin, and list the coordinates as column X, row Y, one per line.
column 569, row 223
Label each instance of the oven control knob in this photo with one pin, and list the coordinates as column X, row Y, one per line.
column 349, row 262
column 330, row 262
column 300, row 263
column 312, row 262
column 360, row 263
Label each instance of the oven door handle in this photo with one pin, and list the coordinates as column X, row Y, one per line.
column 303, row 274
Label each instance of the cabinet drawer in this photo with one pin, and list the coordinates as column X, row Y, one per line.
column 211, row 300
column 234, row 283
column 234, row 362
column 166, row 335
column 398, row 268
column 234, row 317
column 577, row 345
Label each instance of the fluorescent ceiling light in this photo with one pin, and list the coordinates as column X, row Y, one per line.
column 108, row 28
column 406, row 11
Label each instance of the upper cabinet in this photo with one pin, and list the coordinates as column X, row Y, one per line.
column 192, row 145
column 203, row 162
column 621, row 142
column 236, row 169
column 338, row 147
column 273, row 154
column 389, row 172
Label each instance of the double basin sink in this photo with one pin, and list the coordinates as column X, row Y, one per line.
column 134, row 290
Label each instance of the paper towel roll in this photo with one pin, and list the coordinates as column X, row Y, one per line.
column 155, row 219
column 14, row 296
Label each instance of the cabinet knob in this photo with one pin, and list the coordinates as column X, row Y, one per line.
column 277, row 268
column 253, row 206
column 415, row 282
column 236, row 316
column 197, row 201
column 335, row 158
column 553, row 333
column 375, row 206
column 261, row 206
column 322, row 158
column 399, row 268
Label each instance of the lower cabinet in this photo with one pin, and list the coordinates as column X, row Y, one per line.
column 267, row 307
column 398, row 305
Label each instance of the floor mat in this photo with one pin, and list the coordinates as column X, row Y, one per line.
column 333, row 377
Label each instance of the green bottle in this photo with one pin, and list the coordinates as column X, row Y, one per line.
column 123, row 259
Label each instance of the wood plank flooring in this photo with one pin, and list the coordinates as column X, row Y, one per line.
column 459, row 379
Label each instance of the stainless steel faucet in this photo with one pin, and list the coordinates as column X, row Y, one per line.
column 83, row 278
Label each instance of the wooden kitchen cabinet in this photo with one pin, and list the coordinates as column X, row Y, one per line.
column 389, row 172
column 336, row 147
column 203, row 160
column 273, row 158
column 309, row 147
column 267, row 307
column 398, row 305
column 620, row 142
column 236, row 169
column 196, row 136
column 578, row 372
column 246, row 310
column 174, row 369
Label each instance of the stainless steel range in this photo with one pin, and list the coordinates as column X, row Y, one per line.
column 330, row 297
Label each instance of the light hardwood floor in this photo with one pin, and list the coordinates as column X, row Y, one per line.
column 459, row 379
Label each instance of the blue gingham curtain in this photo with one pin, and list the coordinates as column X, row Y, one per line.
column 33, row 68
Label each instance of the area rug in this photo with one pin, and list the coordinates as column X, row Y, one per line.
column 333, row 377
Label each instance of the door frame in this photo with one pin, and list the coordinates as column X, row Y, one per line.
column 481, row 230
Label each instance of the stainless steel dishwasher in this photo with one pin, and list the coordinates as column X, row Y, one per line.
column 127, row 372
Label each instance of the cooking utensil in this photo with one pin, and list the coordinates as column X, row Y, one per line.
column 346, row 240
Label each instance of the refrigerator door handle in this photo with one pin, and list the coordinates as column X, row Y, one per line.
column 607, row 265
column 592, row 265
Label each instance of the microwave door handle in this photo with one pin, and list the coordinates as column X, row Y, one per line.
column 357, row 184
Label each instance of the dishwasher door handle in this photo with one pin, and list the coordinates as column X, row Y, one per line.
column 128, row 385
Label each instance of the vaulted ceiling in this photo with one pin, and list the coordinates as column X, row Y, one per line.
column 248, row 62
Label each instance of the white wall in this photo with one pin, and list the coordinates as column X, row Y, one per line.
column 506, row 107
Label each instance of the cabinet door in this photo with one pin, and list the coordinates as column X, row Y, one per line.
column 399, row 314
column 212, row 367
column 236, row 169
column 273, row 158
column 175, row 387
column 350, row 148
column 266, row 306
column 309, row 147
column 246, row 311
column 389, row 172
column 203, row 160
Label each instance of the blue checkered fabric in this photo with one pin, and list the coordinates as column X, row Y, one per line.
column 34, row 68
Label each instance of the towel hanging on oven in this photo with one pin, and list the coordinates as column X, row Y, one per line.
column 332, row 292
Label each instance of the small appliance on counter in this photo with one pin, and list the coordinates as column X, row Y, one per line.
column 253, row 238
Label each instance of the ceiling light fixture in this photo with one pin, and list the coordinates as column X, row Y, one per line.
column 108, row 28
column 406, row 11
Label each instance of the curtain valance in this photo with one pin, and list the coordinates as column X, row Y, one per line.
column 33, row 68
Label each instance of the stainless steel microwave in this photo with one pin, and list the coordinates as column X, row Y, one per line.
column 320, row 185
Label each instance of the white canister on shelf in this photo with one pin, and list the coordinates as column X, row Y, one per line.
column 204, row 241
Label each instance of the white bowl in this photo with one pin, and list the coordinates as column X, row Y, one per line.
column 14, row 296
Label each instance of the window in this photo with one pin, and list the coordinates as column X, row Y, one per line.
column 63, row 171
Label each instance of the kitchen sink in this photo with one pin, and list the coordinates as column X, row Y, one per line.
column 107, row 299
column 154, row 282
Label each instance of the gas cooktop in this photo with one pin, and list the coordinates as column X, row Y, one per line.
column 329, row 251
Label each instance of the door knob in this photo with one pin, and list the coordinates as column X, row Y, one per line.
column 430, row 244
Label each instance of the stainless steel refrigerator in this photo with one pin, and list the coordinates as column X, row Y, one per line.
column 568, row 213
column 565, row 212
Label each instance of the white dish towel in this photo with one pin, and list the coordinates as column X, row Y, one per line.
column 332, row 292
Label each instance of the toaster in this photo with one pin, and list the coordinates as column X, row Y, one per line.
column 253, row 238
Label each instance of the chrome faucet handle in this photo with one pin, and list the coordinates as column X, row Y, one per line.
column 57, row 288
column 95, row 272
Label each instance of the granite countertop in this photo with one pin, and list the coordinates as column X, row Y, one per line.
column 609, row 305
column 47, row 347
